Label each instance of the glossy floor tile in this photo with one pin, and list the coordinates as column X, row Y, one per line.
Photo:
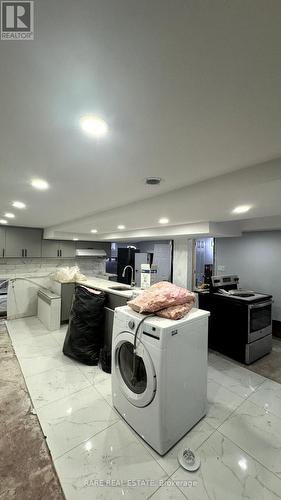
column 108, row 465
column 234, row 377
column 26, row 468
column 258, row 433
column 169, row 492
column 99, row 457
column 227, row 473
column 221, row 403
column 74, row 419
column 193, row 439
column 55, row 384
column 100, row 380
column 268, row 396
column 39, row 362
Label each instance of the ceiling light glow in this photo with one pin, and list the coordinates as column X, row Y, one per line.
column 18, row 204
column 243, row 464
column 121, row 227
column 3, row 221
column 75, row 239
column 241, row 209
column 9, row 215
column 39, row 184
column 94, row 126
column 163, row 220
column 94, row 231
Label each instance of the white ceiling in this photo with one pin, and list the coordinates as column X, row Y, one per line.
column 190, row 91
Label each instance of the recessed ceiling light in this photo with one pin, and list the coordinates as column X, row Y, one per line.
column 9, row 215
column 39, row 184
column 3, row 221
column 153, row 181
column 121, row 226
column 163, row 220
column 75, row 239
column 94, row 230
column 241, row 209
column 94, row 126
column 18, row 204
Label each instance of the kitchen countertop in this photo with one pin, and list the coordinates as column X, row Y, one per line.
column 106, row 286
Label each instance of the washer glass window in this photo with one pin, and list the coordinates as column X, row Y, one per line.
column 132, row 368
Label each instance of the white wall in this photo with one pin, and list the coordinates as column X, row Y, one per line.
column 256, row 258
column 182, row 262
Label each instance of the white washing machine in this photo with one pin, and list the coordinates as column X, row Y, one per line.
column 161, row 392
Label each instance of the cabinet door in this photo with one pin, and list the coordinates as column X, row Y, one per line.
column 50, row 248
column 33, row 242
column 23, row 242
column 2, row 241
column 67, row 293
column 67, row 249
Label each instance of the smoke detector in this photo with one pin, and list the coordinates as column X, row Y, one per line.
column 153, row 181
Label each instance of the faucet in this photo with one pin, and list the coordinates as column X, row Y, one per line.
column 132, row 275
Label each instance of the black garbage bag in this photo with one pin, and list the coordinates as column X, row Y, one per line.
column 84, row 337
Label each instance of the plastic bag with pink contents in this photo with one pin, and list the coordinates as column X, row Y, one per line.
column 161, row 296
column 175, row 312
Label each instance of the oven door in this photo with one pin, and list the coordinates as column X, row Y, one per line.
column 259, row 320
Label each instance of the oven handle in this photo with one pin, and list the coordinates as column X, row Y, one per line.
column 260, row 304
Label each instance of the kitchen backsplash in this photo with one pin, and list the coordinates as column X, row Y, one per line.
column 88, row 266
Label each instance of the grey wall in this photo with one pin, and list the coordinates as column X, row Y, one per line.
column 256, row 258
column 182, row 262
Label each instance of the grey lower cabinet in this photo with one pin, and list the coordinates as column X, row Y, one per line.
column 2, row 241
column 112, row 301
column 23, row 242
column 54, row 248
column 67, row 295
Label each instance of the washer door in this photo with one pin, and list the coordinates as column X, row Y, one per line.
column 136, row 374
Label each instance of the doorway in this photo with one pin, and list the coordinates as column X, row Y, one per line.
column 203, row 261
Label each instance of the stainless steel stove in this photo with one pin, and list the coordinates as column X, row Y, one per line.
column 241, row 320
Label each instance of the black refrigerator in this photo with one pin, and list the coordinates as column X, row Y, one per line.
column 125, row 257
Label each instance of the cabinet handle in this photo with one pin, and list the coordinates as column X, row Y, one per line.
column 25, row 253
column 22, row 252
column 3, row 253
column 60, row 253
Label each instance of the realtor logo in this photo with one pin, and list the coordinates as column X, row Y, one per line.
column 17, row 19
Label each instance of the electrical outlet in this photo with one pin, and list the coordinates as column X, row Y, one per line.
column 221, row 268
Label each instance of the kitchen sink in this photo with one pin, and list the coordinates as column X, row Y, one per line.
column 121, row 288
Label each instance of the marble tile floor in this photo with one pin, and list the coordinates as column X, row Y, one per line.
column 26, row 467
column 270, row 365
column 97, row 456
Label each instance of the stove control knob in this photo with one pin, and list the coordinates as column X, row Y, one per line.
column 131, row 324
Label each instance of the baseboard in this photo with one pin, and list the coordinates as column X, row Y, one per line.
column 276, row 328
